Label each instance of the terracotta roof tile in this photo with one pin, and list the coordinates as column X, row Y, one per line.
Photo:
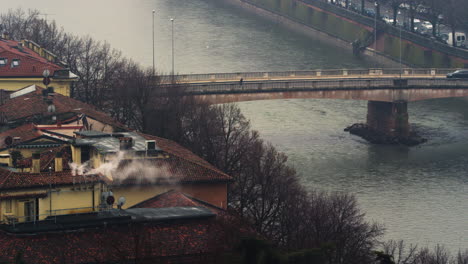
column 165, row 171
column 33, row 104
column 175, row 198
column 25, row 132
column 189, row 241
column 30, row 63
column 10, row 180
column 181, row 153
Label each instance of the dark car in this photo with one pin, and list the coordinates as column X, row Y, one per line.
column 369, row 12
column 458, row 74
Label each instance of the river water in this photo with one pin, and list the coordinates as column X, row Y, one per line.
column 419, row 193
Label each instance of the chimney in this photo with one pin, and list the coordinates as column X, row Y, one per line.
column 5, row 35
column 36, row 163
column 58, row 162
column 126, row 143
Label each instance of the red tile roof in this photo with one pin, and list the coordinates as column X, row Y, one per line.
column 182, row 153
column 175, row 198
column 25, row 132
column 201, row 240
column 10, row 180
column 30, row 63
column 187, row 241
column 32, row 104
column 169, row 170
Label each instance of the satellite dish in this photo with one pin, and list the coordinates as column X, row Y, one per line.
column 8, row 141
column 110, row 200
column 121, row 201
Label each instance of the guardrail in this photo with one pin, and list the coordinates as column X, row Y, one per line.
column 49, row 217
column 326, row 84
column 212, row 77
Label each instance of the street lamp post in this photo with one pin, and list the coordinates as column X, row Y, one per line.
column 154, row 11
column 375, row 33
column 172, row 24
column 401, row 67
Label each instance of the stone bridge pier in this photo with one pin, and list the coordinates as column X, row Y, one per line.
column 389, row 118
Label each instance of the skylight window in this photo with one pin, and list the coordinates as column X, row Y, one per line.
column 3, row 61
column 15, row 63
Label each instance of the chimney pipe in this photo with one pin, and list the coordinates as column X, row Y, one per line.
column 126, row 143
column 58, row 162
column 36, row 163
column 6, row 35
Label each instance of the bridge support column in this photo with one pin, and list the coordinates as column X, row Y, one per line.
column 389, row 118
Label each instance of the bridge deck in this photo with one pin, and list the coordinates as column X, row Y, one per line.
column 311, row 75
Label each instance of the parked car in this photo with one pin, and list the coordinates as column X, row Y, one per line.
column 369, row 12
column 460, row 38
column 426, row 25
column 404, row 6
column 458, row 74
column 387, row 20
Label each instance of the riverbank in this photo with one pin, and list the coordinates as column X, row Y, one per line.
column 341, row 27
column 368, row 54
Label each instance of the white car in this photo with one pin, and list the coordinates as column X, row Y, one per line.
column 404, row 6
column 426, row 24
column 387, row 20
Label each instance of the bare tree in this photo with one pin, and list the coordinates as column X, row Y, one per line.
column 401, row 254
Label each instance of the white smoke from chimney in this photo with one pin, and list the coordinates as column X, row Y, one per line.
column 138, row 169
column 108, row 168
column 79, row 169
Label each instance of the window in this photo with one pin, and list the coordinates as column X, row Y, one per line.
column 3, row 61
column 15, row 63
column 8, row 205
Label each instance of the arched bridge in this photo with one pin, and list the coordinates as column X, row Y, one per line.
column 387, row 90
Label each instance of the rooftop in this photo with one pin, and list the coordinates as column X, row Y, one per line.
column 32, row 107
column 24, row 135
column 104, row 218
column 110, row 143
column 18, row 60
column 12, row 180
column 173, row 198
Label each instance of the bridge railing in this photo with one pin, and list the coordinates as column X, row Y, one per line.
column 325, row 84
column 248, row 76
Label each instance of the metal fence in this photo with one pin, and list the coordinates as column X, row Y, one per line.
column 246, row 76
column 50, row 217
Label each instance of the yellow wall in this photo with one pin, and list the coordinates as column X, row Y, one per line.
column 62, row 198
column 14, row 84
column 71, row 198
column 76, row 154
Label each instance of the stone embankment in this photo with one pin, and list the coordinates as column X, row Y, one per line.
column 376, row 137
column 376, row 40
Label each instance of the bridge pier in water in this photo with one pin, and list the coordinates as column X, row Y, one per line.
column 387, row 123
column 389, row 118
